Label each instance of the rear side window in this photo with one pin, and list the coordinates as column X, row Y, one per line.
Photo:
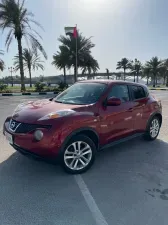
column 138, row 92
column 146, row 92
column 121, row 92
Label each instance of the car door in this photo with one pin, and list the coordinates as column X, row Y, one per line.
column 140, row 99
column 117, row 121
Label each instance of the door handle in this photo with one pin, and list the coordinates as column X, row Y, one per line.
column 96, row 114
column 130, row 109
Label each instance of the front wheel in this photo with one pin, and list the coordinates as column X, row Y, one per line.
column 79, row 155
column 153, row 129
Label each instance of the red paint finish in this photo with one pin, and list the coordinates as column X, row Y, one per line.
column 109, row 122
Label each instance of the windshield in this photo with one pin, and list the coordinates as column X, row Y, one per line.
column 82, row 93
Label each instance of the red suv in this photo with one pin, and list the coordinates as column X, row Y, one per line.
column 85, row 118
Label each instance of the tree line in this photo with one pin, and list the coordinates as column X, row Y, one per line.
column 18, row 21
column 152, row 70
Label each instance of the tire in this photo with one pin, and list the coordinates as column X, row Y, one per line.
column 154, row 122
column 75, row 164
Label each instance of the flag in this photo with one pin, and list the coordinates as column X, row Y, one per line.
column 71, row 31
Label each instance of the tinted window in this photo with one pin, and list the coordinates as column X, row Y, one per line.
column 146, row 91
column 82, row 93
column 120, row 91
column 138, row 92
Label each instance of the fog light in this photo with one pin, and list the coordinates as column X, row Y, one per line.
column 38, row 134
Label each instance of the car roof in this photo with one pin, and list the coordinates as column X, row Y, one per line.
column 104, row 81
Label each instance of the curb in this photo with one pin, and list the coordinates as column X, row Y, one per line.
column 29, row 93
column 158, row 89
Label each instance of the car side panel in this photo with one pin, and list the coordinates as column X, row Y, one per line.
column 141, row 112
column 79, row 123
column 116, row 122
column 151, row 108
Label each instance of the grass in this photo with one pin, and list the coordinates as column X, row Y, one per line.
column 17, row 89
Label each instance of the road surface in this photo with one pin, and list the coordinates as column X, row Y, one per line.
column 128, row 183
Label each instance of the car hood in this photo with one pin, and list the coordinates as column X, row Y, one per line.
column 32, row 111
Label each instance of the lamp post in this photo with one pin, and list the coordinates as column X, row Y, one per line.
column 11, row 70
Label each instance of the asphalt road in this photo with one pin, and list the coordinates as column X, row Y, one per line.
column 128, row 183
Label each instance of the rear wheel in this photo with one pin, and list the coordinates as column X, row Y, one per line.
column 79, row 154
column 153, row 129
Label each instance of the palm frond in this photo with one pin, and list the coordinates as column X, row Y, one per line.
column 123, row 64
column 36, row 45
column 14, row 16
column 30, row 60
column 2, row 65
column 66, row 56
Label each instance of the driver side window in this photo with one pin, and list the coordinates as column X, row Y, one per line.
column 121, row 92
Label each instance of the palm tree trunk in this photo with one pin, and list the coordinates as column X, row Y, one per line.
column 107, row 75
column 154, row 80
column 124, row 74
column 164, row 80
column 147, row 80
column 30, row 76
column 64, row 75
column 134, row 77
column 167, row 81
column 137, row 77
column 21, row 64
column 75, row 74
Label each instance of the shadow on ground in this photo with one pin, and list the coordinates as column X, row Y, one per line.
column 34, row 192
column 128, row 182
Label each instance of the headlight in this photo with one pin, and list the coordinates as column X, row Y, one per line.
column 58, row 114
column 21, row 106
column 18, row 108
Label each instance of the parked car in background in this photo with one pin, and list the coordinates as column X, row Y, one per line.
column 85, row 118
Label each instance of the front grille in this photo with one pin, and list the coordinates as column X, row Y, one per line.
column 23, row 128
column 13, row 125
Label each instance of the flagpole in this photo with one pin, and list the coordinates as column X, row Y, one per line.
column 76, row 54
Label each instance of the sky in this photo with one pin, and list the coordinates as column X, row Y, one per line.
column 119, row 28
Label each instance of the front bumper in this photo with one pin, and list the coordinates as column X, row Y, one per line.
column 47, row 148
column 33, row 155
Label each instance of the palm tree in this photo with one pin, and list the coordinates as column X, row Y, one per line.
column 89, row 65
column 136, row 68
column 83, row 50
column 17, row 19
column 154, row 66
column 61, row 60
column 165, row 72
column 123, row 64
column 146, row 73
column 31, row 61
column 2, row 65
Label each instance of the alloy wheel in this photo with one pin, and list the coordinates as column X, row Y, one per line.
column 77, row 155
column 154, row 128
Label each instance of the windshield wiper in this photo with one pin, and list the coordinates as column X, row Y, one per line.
column 58, row 101
column 69, row 103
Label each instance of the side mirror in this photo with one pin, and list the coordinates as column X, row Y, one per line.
column 113, row 102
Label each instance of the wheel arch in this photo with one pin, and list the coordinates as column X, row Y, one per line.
column 87, row 131
column 158, row 114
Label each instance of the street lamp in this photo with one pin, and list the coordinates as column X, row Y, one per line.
column 11, row 70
